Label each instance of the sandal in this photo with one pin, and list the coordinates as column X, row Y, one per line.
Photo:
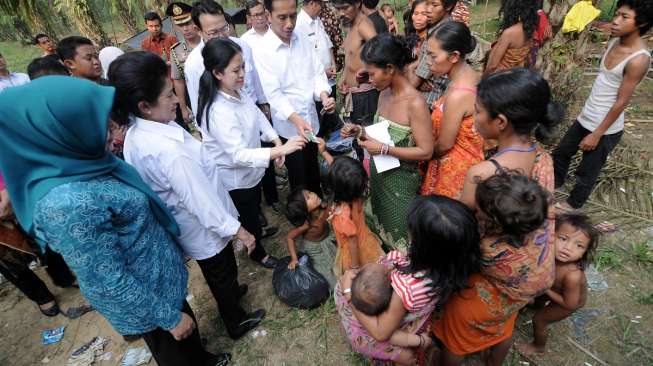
column 51, row 311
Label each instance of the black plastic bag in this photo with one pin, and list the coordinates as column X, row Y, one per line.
column 302, row 287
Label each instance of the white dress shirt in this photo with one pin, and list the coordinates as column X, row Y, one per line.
column 314, row 31
column 194, row 68
column 14, row 79
column 292, row 80
column 231, row 145
column 253, row 38
column 169, row 160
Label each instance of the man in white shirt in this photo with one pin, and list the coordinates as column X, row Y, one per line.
column 209, row 17
column 293, row 79
column 310, row 26
column 9, row 79
column 259, row 21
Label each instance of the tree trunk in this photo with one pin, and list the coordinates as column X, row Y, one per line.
column 87, row 22
column 24, row 34
column 561, row 59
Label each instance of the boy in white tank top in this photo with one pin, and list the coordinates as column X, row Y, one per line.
column 599, row 126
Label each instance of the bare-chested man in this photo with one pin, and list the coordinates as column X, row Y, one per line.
column 360, row 97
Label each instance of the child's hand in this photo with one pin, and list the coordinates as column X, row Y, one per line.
column 293, row 264
column 348, row 277
column 321, row 145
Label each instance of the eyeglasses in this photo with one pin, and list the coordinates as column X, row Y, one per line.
column 224, row 31
column 258, row 15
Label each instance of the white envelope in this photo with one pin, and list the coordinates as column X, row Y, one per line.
column 379, row 131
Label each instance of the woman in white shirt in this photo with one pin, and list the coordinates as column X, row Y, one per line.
column 232, row 130
column 168, row 159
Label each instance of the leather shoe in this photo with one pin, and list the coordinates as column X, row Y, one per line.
column 251, row 321
column 242, row 290
column 269, row 231
column 270, row 263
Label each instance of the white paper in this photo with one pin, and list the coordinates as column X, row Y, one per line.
column 379, row 132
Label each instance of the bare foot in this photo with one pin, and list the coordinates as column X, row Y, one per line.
column 528, row 349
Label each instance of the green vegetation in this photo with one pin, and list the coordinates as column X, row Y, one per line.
column 18, row 56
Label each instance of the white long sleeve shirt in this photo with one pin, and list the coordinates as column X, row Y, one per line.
column 194, row 68
column 252, row 38
column 231, row 146
column 314, row 31
column 292, row 80
column 168, row 159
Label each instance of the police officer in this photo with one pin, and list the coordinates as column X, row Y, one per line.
column 181, row 18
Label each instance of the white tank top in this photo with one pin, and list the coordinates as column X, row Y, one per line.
column 604, row 93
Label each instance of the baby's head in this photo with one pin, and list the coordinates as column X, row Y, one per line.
column 512, row 205
column 301, row 203
column 371, row 290
column 575, row 239
column 387, row 10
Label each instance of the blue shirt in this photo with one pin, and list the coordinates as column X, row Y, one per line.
column 127, row 265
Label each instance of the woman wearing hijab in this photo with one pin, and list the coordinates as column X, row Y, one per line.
column 95, row 210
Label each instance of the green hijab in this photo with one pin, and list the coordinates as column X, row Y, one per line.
column 53, row 131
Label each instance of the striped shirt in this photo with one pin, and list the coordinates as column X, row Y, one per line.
column 414, row 289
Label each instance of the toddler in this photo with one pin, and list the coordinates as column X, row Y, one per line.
column 357, row 245
column 308, row 214
column 575, row 242
column 389, row 14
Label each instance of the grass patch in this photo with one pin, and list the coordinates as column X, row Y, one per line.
column 641, row 253
column 607, row 258
column 646, row 299
column 19, row 56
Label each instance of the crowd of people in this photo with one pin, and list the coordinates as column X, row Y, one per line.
column 434, row 230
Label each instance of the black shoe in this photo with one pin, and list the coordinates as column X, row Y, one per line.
column 53, row 311
column 242, row 290
column 270, row 263
column 269, row 231
column 251, row 321
column 262, row 219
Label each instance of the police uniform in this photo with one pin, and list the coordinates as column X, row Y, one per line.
column 180, row 14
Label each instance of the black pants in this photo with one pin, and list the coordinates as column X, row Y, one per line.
column 590, row 166
column 221, row 274
column 303, row 169
column 57, row 269
column 16, row 270
column 248, row 204
column 169, row 352
column 269, row 181
column 329, row 122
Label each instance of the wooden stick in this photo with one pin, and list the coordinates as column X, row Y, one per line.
column 586, row 351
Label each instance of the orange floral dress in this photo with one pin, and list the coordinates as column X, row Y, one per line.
column 446, row 174
column 484, row 314
column 348, row 220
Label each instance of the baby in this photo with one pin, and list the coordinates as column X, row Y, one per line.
column 389, row 14
column 371, row 292
column 575, row 242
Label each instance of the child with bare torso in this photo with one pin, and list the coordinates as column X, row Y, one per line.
column 575, row 241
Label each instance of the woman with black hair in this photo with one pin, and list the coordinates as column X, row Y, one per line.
column 403, row 112
column 168, row 159
column 457, row 144
column 442, row 254
column 233, row 127
column 417, row 23
column 519, row 21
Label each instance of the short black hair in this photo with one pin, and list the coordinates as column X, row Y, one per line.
column 39, row 36
column 449, row 5
column 347, row 179
column 350, row 2
column 514, row 204
column 67, row 47
column 371, row 290
column 46, row 65
column 370, row 4
column 296, row 209
column 643, row 13
column 268, row 4
column 250, row 4
column 151, row 15
column 205, row 7
column 583, row 223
